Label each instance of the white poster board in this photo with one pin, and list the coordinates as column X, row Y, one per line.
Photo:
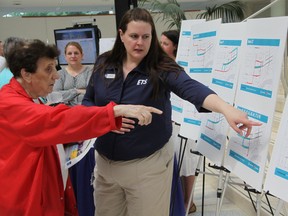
column 277, row 175
column 224, row 78
column 182, row 58
column 105, row 44
column 201, row 55
column 177, row 108
column 256, row 95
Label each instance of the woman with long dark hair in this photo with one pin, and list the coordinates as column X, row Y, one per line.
column 134, row 164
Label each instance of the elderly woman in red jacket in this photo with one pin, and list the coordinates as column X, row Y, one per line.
column 31, row 181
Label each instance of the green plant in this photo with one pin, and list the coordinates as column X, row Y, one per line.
column 169, row 11
column 229, row 12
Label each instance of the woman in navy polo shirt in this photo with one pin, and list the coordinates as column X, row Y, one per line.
column 134, row 165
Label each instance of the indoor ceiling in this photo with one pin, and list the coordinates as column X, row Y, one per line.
column 8, row 6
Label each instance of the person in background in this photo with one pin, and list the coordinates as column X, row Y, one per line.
column 2, row 59
column 169, row 42
column 30, row 170
column 71, row 86
column 9, row 43
column 133, row 171
column 74, row 77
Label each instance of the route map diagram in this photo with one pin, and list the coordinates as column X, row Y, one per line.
column 226, row 63
column 202, row 52
column 259, row 64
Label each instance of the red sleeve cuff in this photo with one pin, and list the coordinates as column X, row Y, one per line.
column 116, row 122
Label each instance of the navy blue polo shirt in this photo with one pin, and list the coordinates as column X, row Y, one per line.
column 142, row 141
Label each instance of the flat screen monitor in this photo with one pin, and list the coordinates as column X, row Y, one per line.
column 87, row 37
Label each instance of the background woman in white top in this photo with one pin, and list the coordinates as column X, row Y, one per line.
column 71, row 86
column 74, row 77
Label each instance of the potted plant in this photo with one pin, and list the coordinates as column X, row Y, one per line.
column 169, row 11
column 229, row 12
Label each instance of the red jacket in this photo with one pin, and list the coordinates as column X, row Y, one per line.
column 30, row 175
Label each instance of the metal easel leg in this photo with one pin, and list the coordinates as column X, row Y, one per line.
column 196, row 175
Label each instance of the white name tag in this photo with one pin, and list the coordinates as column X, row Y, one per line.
column 110, row 76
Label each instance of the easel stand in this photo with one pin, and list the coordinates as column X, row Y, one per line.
column 223, row 180
column 180, row 160
column 197, row 171
column 256, row 207
column 201, row 161
column 221, row 186
column 259, row 196
column 183, row 145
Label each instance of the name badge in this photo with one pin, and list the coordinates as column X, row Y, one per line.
column 109, row 76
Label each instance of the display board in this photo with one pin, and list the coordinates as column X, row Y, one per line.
column 277, row 175
column 224, row 78
column 242, row 63
column 182, row 58
column 200, row 62
column 106, row 44
column 259, row 76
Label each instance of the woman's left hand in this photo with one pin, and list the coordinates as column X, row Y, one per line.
column 127, row 125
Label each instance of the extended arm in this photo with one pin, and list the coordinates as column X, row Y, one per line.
column 237, row 119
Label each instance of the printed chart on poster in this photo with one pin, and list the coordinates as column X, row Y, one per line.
column 183, row 51
column 224, row 77
column 277, row 176
column 202, row 50
column 177, row 108
column 258, row 83
column 227, row 60
column 190, row 122
column 201, row 54
column 182, row 59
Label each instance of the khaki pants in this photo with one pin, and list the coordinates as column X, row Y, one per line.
column 140, row 187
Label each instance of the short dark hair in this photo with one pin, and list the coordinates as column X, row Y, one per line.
column 27, row 55
column 11, row 42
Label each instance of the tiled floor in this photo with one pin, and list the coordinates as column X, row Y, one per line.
column 210, row 199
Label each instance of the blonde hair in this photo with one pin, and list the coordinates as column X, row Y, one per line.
column 74, row 43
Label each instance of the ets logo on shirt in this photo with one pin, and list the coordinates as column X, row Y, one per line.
column 142, row 82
